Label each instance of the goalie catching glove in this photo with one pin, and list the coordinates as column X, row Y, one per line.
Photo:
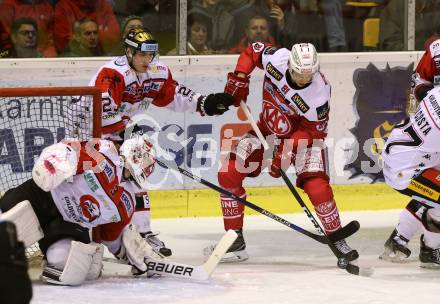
column 135, row 250
column 215, row 104
column 56, row 163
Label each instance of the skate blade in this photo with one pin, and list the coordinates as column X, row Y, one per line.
column 392, row 257
column 229, row 257
column 235, row 257
column 430, row 266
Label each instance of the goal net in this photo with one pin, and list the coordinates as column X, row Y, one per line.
column 34, row 118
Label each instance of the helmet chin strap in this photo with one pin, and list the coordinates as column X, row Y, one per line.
column 130, row 53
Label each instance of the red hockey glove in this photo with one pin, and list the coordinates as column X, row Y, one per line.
column 281, row 160
column 275, row 167
column 238, row 87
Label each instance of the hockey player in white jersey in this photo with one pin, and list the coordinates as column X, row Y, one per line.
column 76, row 186
column 133, row 82
column 411, row 159
column 294, row 114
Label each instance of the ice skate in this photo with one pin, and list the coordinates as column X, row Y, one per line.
column 349, row 253
column 395, row 248
column 157, row 245
column 236, row 253
column 429, row 258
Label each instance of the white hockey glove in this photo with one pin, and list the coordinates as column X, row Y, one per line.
column 134, row 249
column 55, row 164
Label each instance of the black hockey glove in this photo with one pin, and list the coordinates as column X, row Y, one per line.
column 215, row 104
column 422, row 91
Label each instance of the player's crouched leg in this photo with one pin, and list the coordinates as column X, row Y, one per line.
column 69, row 256
column 69, row 262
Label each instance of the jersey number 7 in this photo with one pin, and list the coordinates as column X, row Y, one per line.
column 415, row 138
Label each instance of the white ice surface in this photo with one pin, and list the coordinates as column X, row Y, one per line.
column 284, row 267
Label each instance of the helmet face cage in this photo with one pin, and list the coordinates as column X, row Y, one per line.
column 303, row 59
column 139, row 158
column 140, row 40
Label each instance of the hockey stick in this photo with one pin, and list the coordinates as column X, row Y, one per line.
column 208, row 184
column 343, row 263
column 186, row 271
column 322, row 239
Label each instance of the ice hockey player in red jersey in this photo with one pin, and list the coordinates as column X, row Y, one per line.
column 427, row 73
column 294, row 115
column 133, row 82
column 76, row 186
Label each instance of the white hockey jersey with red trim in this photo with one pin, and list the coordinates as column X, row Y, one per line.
column 97, row 194
column 414, row 145
column 126, row 93
column 287, row 108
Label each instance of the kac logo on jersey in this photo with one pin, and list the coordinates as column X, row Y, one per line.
column 89, row 207
column 275, row 120
column 380, row 102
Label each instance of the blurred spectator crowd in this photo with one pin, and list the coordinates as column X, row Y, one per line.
column 84, row 28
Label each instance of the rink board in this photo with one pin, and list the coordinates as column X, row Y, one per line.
column 368, row 97
column 205, row 202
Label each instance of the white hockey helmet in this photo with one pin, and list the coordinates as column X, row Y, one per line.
column 303, row 59
column 139, row 157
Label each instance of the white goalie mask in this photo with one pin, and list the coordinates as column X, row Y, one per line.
column 303, row 59
column 139, row 157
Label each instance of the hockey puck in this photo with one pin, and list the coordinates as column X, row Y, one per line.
column 342, row 263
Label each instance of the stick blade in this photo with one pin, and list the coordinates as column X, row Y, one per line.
column 360, row 271
column 220, row 249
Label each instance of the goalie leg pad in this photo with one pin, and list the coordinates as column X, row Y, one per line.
column 74, row 268
column 95, row 270
column 28, row 227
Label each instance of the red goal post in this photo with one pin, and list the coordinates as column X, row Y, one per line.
column 32, row 118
